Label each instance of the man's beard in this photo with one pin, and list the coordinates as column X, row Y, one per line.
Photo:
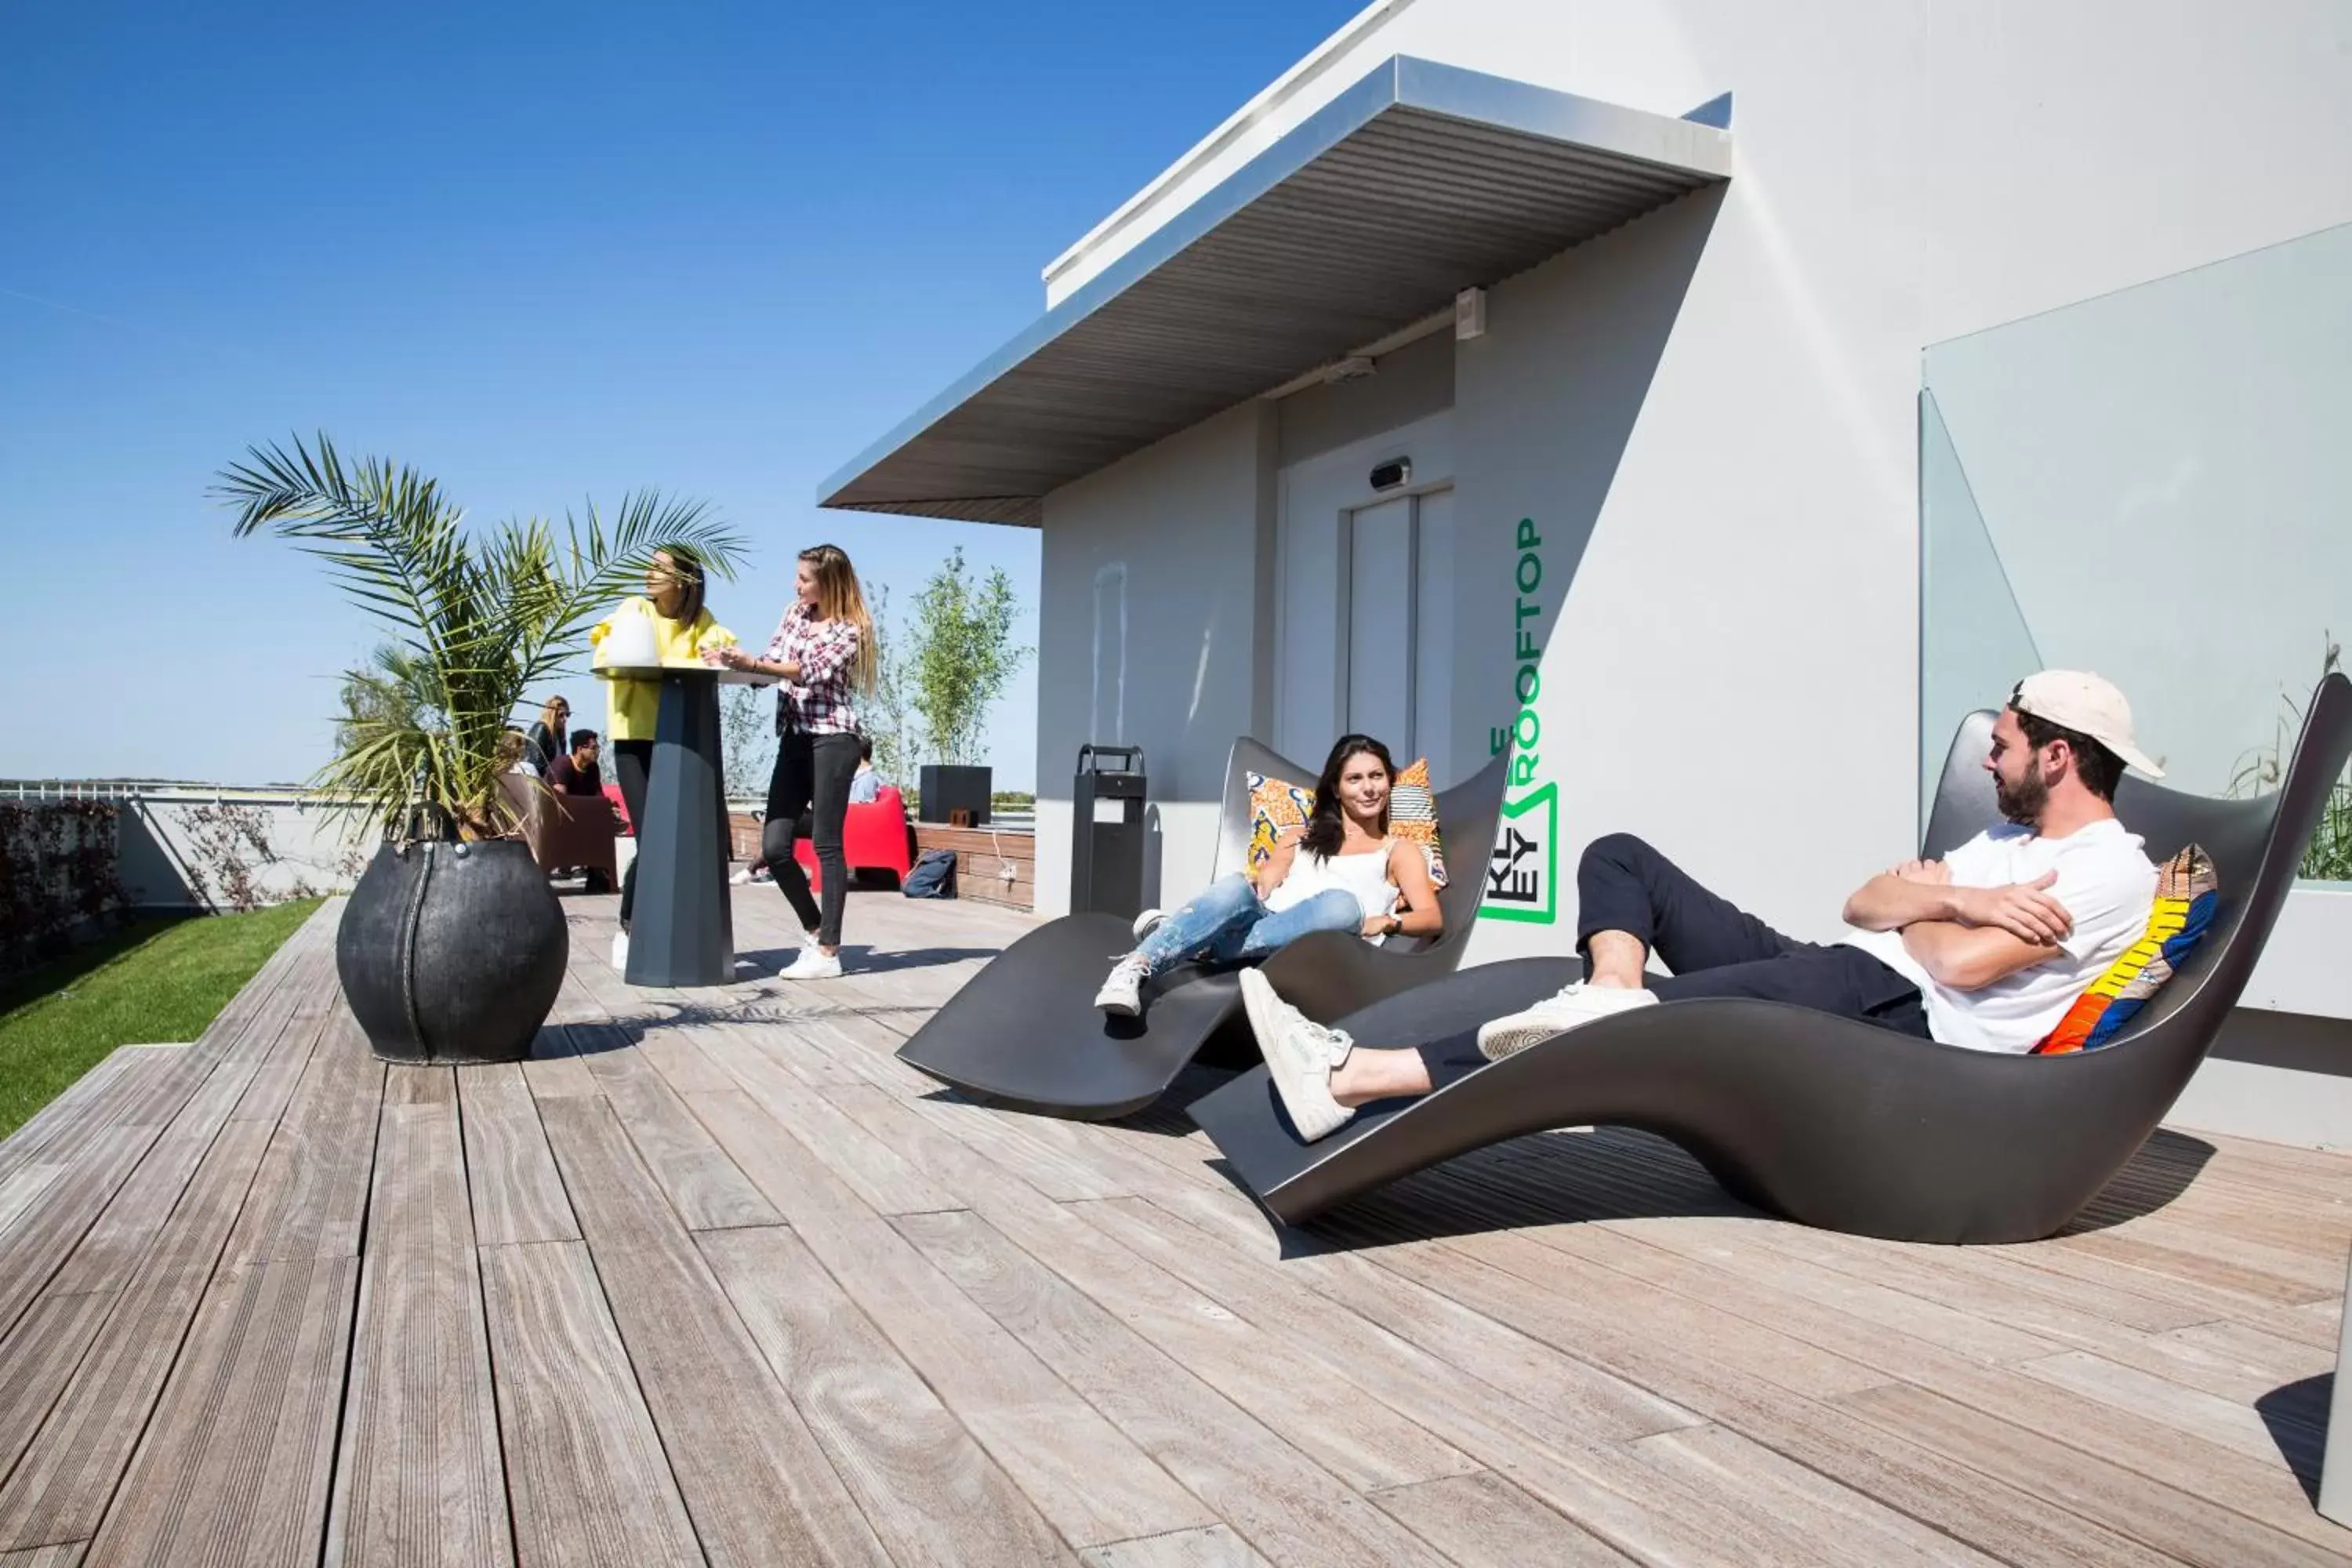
column 2023, row 804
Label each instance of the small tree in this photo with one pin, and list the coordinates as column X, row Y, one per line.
column 960, row 655
column 747, row 724
column 883, row 715
column 394, row 690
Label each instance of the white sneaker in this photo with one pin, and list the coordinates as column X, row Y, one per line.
column 1300, row 1054
column 1576, row 1002
column 621, row 951
column 813, row 964
column 1122, row 993
column 741, row 878
column 1148, row 921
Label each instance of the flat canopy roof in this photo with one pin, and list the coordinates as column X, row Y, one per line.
column 1415, row 182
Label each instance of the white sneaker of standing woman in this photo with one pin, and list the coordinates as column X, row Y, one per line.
column 814, row 963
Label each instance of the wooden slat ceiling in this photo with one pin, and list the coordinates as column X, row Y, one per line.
column 1377, row 224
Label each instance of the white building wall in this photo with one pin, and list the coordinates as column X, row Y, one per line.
column 184, row 849
column 1710, row 417
column 1177, row 536
column 1738, row 642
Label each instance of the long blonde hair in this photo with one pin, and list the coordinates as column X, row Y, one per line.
column 839, row 598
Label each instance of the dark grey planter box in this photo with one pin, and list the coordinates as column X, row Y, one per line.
column 947, row 789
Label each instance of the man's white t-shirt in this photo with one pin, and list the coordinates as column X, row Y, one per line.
column 2106, row 882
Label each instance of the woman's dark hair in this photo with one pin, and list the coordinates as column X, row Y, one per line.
column 1326, row 829
column 687, row 567
column 865, row 750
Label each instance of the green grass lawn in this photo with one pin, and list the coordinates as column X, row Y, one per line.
column 159, row 979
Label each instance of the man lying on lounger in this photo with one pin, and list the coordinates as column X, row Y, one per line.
column 1986, row 949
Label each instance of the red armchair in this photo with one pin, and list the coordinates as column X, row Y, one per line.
column 873, row 837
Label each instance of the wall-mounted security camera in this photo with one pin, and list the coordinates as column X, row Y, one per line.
column 1390, row 474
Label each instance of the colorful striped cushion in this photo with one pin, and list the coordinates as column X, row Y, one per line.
column 2187, row 895
column 1413, row 814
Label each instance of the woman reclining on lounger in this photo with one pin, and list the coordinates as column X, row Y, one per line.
column 1343, row 871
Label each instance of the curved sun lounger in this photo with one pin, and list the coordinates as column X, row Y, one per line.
column 1025, row 1031
column 1827, row 1120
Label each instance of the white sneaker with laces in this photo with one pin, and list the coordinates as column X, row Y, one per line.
column 1148, row 921
column 1300, row 1055
column 813, row 964
column 621, row 951
column 1122, row 993
column 1576, row 1002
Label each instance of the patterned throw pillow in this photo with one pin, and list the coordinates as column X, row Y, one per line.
column 1277, row 806
column 1413, row 814
column 2187, row 895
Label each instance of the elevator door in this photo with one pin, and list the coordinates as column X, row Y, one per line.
column 1366, row 640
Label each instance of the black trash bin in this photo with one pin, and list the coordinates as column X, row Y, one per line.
column 1107, row 841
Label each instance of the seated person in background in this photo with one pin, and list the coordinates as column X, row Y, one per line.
column 514, row 755
column 865, row 784
column 546, row 735
column 1342, row 871
column 575, row 771
column 1985, row 949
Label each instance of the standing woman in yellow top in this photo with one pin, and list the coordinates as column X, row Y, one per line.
column 682, row 629
column 823, row 653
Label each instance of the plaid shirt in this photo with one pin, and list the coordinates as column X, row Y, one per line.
column 818, row 702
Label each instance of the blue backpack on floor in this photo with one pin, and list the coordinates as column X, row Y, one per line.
column 934, row 875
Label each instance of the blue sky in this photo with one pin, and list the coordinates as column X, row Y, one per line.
column 543, row 253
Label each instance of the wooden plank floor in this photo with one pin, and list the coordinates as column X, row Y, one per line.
column 713, row 1278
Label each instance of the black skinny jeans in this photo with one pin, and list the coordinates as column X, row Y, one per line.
column 1714, row 949
column 1717, row 948
column 810, row 782
column 632, row 762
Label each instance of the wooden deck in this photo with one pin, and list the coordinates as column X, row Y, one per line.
column 715, row 1279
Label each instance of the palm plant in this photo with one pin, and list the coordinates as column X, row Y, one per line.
column 395, row 689
column 476, row 619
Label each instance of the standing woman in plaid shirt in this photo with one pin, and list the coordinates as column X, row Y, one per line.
column 822, row 651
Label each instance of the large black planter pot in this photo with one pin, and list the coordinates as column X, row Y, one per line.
column 452, row 953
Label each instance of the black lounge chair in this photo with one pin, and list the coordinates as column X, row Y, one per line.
column 1823, row 1120
column 1025, row 1031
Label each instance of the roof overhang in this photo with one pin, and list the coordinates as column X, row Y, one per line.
column 1417, row 181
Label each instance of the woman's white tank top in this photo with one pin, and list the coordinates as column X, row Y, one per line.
column 1366, row 875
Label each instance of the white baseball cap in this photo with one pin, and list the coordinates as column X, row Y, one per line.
column 2088, row 705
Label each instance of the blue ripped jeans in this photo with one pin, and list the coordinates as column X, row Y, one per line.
column 1229, row 921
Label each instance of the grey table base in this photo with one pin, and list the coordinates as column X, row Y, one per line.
column 682, row 928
